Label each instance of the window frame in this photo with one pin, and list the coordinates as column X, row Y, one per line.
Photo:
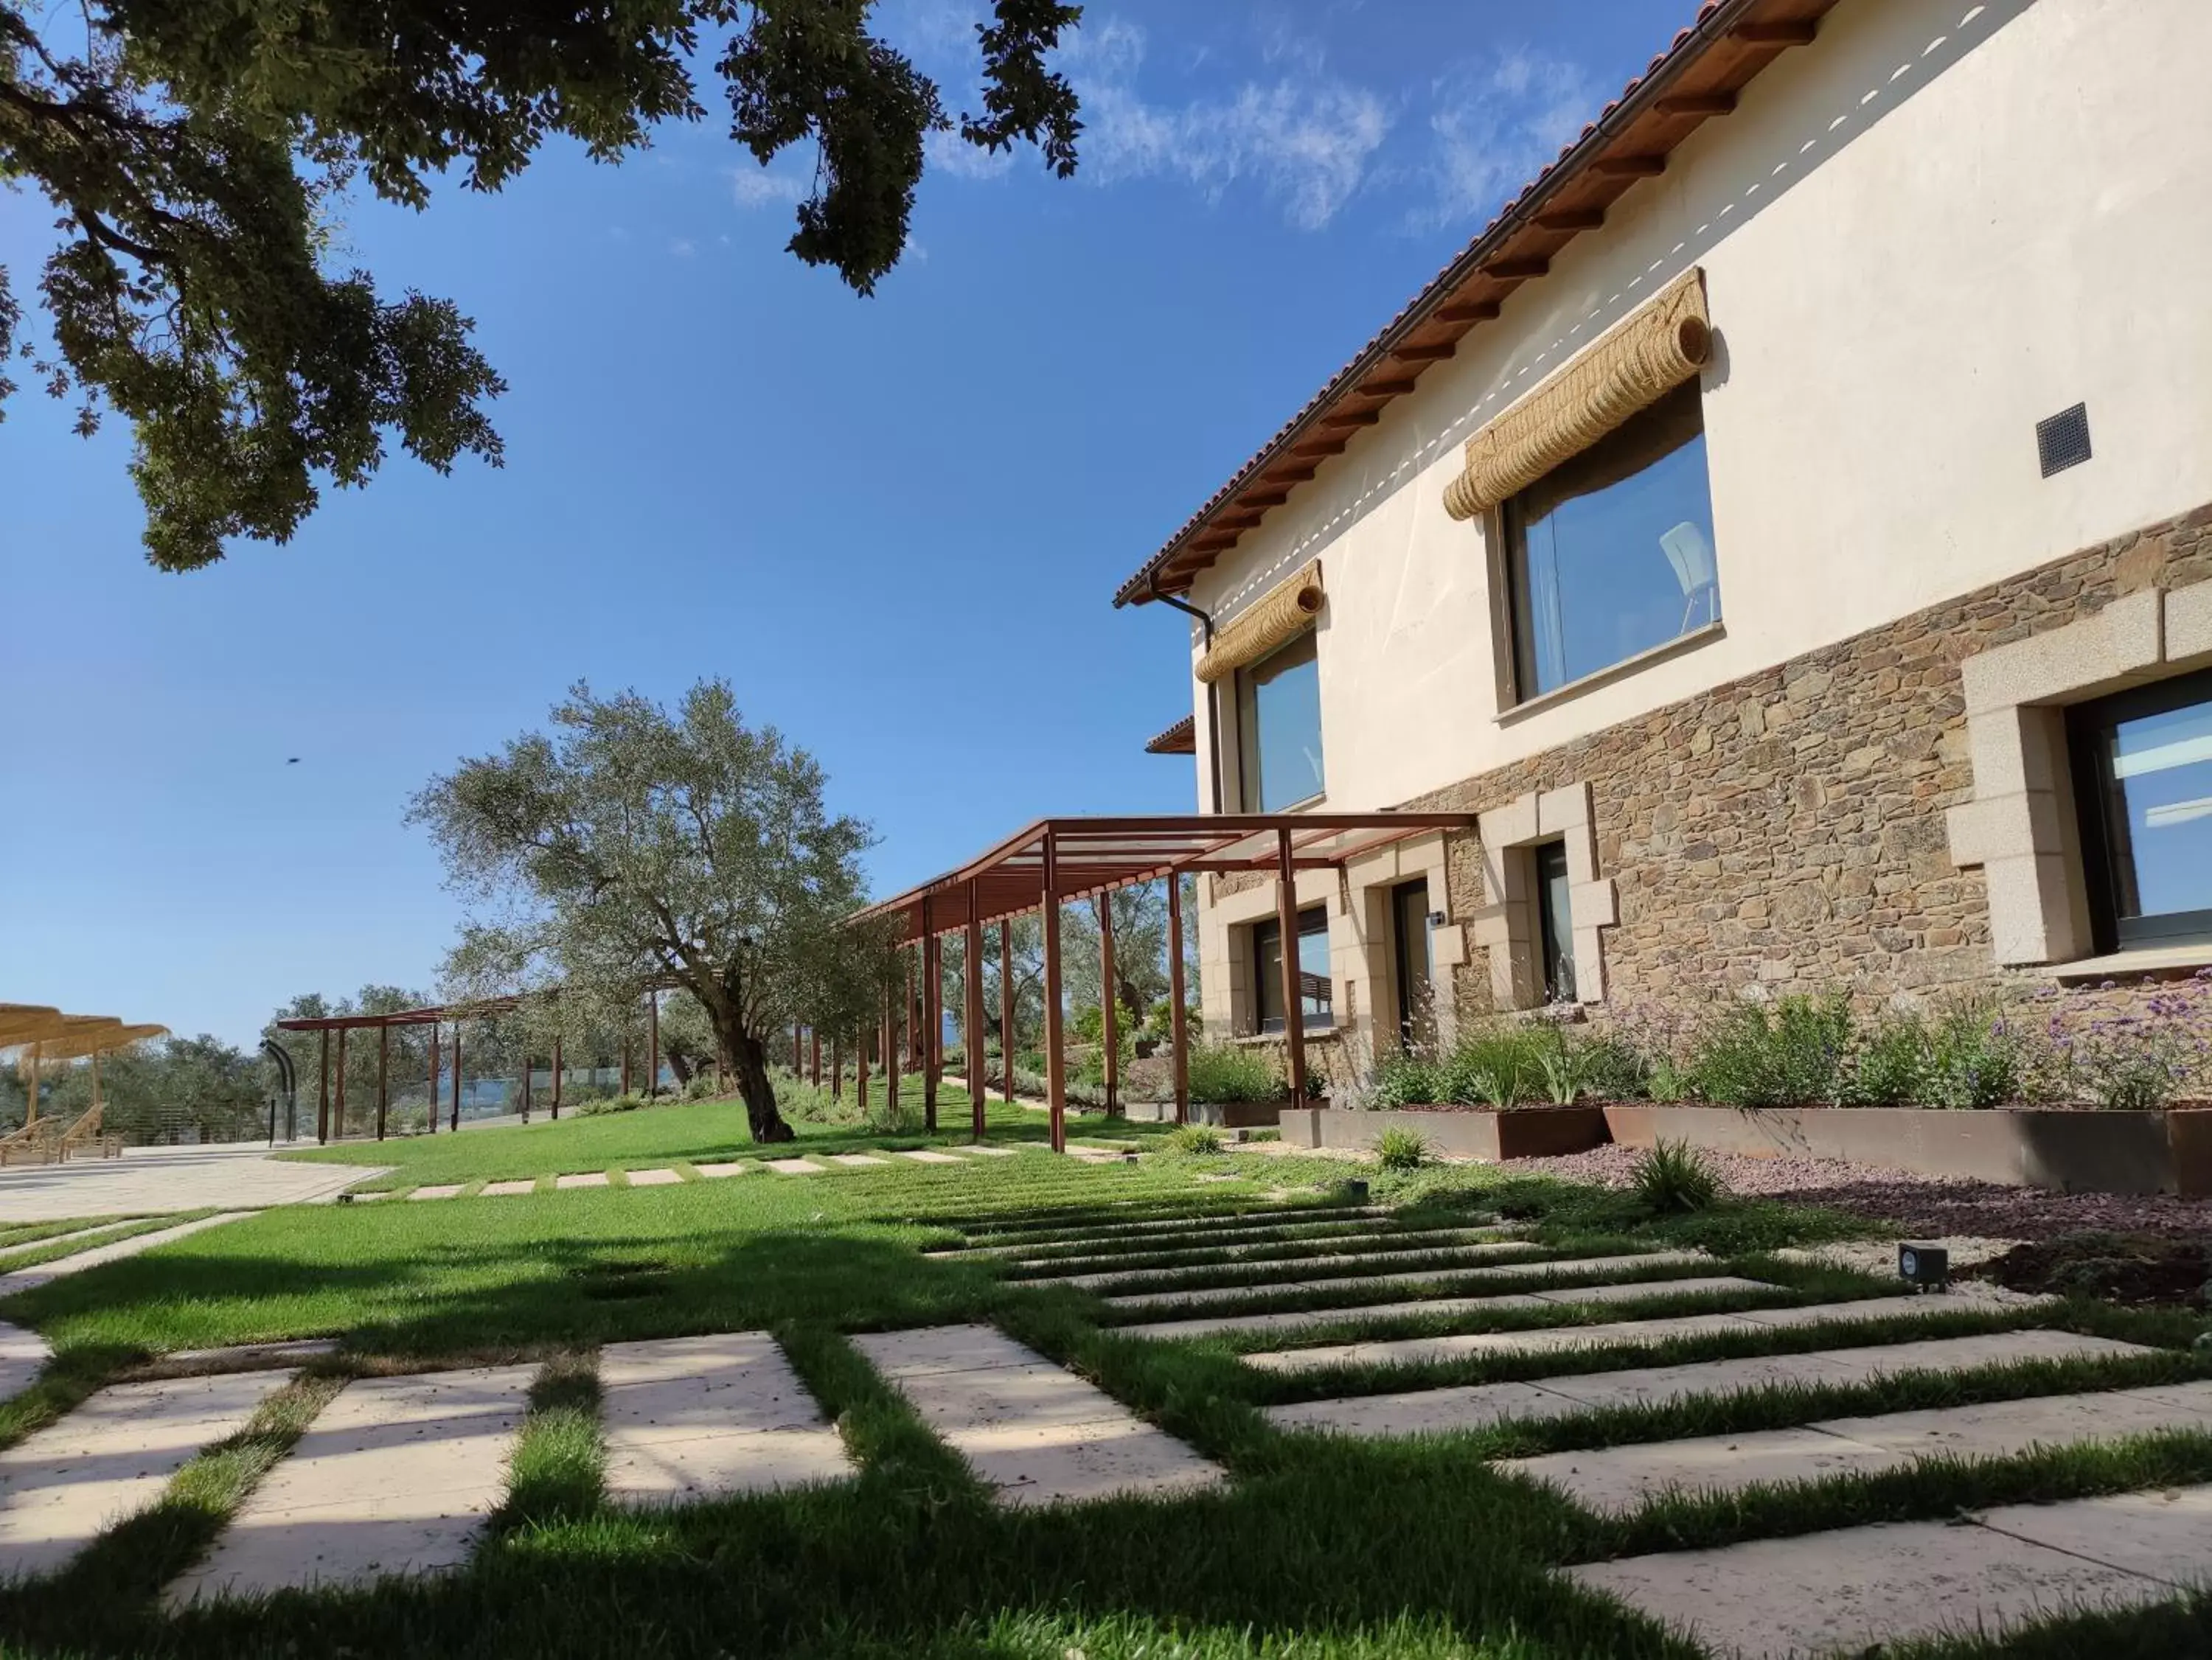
column 1307, row 642
column 1271, row 928
column 2086, row 725
column 1515, row 637
column 1548, row 872
column 1401, row 956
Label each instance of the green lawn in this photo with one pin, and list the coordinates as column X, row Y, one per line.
column 690, row 1132
column 1318, row 1548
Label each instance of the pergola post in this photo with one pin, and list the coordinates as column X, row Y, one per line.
column 798, row 1049
column 341, row 1104
column 1286, row 924
column 932, row 1013
column 1007, row 1008
column 1055, row 1071
column 653, row 1029
column 911, row 1019
column 456, row 1121
column 625, row 1063
column 1109, row 1022
column 861, row 1068
column 434, row 1079
column 557, row 1076
column 814, row 1056
column 524, row 1079
column 323, row 1093
column 978, row 1092
column 383, row 1076
column 1178, row 1039
column 837, row 1066
column 892, row 1050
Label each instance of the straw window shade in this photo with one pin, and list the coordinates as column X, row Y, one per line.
column 1283, row 613
column 1648, row 353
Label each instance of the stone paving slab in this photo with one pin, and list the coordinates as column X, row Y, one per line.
column 714, row 1172
column 1846, row 1591
column 153, row 1181
column 1442, row 1254
column 1191, row 1237
column 581, row 1178
column 856, row 1160
column 925, row 1155
column 1476, row 1406
column 1555, row 1267
column 1033, row 1432
column 1618, row 1481
column 1409, row 1350
column 22, row 1356
column 981, row 1151
column 62, row 1486
column 1238, row 1219
column 396, row 1476
column 503, row 1189
column 26, row 1278
column 694, row 1417
column 653, row 1179
column 249, row 1357
column 1635, row 1291
column 792, row 1167
column 1426, row 1241
column 438, row 1190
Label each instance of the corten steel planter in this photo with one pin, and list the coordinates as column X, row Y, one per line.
column 2076, row 1150
column 1239, row 1115
column 1520, row 1132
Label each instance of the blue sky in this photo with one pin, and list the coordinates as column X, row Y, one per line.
column 895, row 524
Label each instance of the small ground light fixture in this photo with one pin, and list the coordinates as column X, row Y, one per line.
column 1923, row 1267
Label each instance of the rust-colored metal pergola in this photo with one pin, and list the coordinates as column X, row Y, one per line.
column 1055, row 860
column 435, row 1016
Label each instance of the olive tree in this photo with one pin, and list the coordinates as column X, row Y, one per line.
column 635, row 846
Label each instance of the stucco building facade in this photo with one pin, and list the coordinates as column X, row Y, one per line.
column 1868, row 645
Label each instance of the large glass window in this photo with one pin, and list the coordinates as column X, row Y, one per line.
column 2143, row 776
column 1611, row 553
column 1315, row 1003
column 1278, row 728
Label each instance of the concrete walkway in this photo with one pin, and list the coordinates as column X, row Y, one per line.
column 1553, row 1268
column 1353, row 1246
column 1001, row 1241
column 1412, row 1351
column 1444, row 1307
column 156, row 1181
column 697, row 1417
column 1620, row 1480
column 1178, row 1236
column 1289, row 1266
column 1035, row 1432
column 27, row 1279
column 60, row 1487
column 23, row 1354
column 1846, row 1591
column 396, row 1476
column 1477, row 1406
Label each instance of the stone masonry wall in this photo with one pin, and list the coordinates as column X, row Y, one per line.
column 1789, row 828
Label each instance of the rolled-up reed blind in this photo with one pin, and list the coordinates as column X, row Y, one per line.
column 1631, row 366
column 1279, row 615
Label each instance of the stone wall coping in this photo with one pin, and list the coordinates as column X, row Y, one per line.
column 2156, row 959
column 1703, row 635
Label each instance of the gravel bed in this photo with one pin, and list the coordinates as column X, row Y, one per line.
column 1931, row 1205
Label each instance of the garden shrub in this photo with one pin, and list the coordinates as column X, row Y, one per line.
column 606, row 1104
column 1192, row 1140
column 1672, row 1178
column 1794, row 1053
column 1407, row 1079
column 700, row 1086
column 1496, row 1066
column 1227, row 1072
column 1400, row 1148
column 2126, row 1062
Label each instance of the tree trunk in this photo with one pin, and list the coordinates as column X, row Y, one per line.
column 744, row 1056
column 680, row 1065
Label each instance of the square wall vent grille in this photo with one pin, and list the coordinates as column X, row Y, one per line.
column 2062, row 441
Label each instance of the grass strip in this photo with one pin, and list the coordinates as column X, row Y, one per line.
column 1287, row 1251
column 20, row 1234
column 33, row 1256
column 556, row 1471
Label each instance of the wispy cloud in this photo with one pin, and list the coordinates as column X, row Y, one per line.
column 1305, row 139
column 1492, row 125
column 758, row 187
